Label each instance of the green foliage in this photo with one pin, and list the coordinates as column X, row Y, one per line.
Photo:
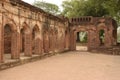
column 95, row 8
column 73, row 8
column 102, row 35
column 76, row 8
column 83, row 37
column 48, row 7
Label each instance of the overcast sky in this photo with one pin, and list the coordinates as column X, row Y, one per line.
column 57, row 2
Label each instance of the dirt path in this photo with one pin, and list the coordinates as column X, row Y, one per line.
column 69, row 66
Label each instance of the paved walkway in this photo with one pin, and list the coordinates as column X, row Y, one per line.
column 69, row 66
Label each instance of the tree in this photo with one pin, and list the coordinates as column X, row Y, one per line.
column 114, row 9
column 95, row 8
column 75, row 8
column 47, row 7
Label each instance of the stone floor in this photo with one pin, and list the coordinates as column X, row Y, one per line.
column 69, row 66
column 7, row 57
column 81, row 47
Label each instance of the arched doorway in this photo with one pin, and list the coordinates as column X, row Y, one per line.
column 26, row 39
column 36, row 42
column 11, row 44
column 33, row 40
column 7, row 39
column 22, row 35
column 102, row 37
column 81, row 41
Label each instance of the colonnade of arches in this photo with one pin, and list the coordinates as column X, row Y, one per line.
column 30, row 41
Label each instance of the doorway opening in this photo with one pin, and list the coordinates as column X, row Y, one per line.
column 102, row 37
column 8, row 35
column 81, row 41
column 22, row 40
column 35, row 39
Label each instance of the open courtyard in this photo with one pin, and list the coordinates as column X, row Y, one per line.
column 68, row 66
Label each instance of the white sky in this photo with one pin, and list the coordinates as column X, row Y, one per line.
column 57, row 2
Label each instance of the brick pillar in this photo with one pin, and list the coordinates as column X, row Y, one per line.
column 88, row 40
column 56, row 42
column 1, row 44
column 63, row 41
column 15, row 48
column 28, row 44
column 97, row 42
column 21, row 42
column 59, row 41
column 50, row 42
column 46, row 42
column 53, row 42
column 67, row 39
column 72, row 41
column 94, row 40
column 38, row 49
column 108, row 39
column 41, row 42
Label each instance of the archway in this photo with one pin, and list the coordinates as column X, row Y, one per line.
column 22, row 35
column 81, row 41
column 26, row 39
column 102, row 37
column 11, row 44
column 7, row 39
column 36, row 42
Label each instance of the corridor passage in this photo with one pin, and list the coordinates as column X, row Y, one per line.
column 68, row 66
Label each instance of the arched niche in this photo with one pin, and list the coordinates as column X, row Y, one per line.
column 26, row 39
column 36, row 42
column 11, row 37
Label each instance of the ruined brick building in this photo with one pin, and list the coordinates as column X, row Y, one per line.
column 28, row 30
